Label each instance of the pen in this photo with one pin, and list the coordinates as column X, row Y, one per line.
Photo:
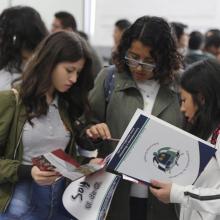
column 113, row 139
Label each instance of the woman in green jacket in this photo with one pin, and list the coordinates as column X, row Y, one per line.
column 146, row 60
column 53, row 93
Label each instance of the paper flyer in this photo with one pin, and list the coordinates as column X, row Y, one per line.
column 63, row 163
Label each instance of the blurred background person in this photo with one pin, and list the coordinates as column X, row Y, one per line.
column 119, row 28
column 21, row 30
column 64, row 21
column 196, row 44
column 182, row 37
column 212, row 44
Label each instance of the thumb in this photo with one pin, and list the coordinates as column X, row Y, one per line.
column 157, row 184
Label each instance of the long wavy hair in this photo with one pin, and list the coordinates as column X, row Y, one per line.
column 155, row 33
column 21, row 28
column 202, row 81
column 56, row 48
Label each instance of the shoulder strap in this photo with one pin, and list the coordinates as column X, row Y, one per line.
column 109, row 82
column 15, row 91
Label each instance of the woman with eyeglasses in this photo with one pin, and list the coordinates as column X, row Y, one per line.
column 146, row 60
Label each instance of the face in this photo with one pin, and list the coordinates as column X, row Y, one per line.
column 188, row 107
column 65, row 74
column 184, row 40
column 117, row 35
column 141, row 53
column 56, row 25
column 214, row 50
column 25, row 54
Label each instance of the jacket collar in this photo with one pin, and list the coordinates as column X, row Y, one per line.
column 163, row 100
column 164, row 97
column 124, row 81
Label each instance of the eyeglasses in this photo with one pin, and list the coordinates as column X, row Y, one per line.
column 135, row 63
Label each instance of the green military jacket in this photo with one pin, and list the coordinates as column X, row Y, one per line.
column 124, row 101
column 12, row 120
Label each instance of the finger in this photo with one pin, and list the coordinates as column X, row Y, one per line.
column 89, row 133
column 47, row 173
column 107, row 131
column 94, row 132
column 157, row 184
column 98, row 161
column 101, row 130
column 154, row 191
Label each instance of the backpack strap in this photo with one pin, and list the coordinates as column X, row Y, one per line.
column 215, row 134
column 109, row 83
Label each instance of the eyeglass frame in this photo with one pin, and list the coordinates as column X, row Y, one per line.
column 149, row 66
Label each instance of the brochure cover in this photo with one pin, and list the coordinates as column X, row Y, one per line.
column 153, row 149
column 90, row 197
column 63, row 163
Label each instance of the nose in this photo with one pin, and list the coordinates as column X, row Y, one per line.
column 73, row 77
column 139, row 67
column 182, row 108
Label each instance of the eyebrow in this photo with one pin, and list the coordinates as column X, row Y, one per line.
column 145, row 59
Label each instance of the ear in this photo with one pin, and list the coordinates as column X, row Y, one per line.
column 201, row 99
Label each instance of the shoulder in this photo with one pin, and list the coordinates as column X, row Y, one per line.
column 7, row 99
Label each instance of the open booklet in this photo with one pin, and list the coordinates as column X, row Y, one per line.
column 63, row 163
column 89, row 194
column 151, row 148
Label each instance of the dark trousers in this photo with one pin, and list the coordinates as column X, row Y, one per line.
column 138, row 208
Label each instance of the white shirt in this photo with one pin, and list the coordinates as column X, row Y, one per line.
column 6, row 79
column 203, row 202
column 149, row 90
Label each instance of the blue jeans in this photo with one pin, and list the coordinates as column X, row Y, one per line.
column 31, row 201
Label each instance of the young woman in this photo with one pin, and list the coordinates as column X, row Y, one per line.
column 146, row 60
column 21, row 30
column 200, row 95
column 52, row 94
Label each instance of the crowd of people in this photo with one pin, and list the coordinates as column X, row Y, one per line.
column 49, row 80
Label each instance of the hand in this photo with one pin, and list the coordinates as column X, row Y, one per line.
column 162, row 190
column 100, row 130
column 44, row 177
column 98, row 161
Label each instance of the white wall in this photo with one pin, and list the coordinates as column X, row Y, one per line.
column 47, row 8
column 198, row 14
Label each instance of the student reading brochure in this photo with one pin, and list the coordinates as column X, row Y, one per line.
column 153, row 149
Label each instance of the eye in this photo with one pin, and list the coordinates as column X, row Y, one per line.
column 182, row 100
column 69, row 70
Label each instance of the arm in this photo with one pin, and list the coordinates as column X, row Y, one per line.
column 8, row 167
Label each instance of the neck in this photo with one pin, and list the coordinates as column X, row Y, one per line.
column 50, row 96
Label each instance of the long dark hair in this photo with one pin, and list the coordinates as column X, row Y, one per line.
column 56, row 48
column 21, row 28
column 154, row 32
column 202, row 81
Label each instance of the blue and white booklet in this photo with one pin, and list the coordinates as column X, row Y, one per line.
column 90, row 196
column 151, row 148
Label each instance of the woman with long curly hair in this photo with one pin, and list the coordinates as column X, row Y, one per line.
column 146, row 61
column 52, row 94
